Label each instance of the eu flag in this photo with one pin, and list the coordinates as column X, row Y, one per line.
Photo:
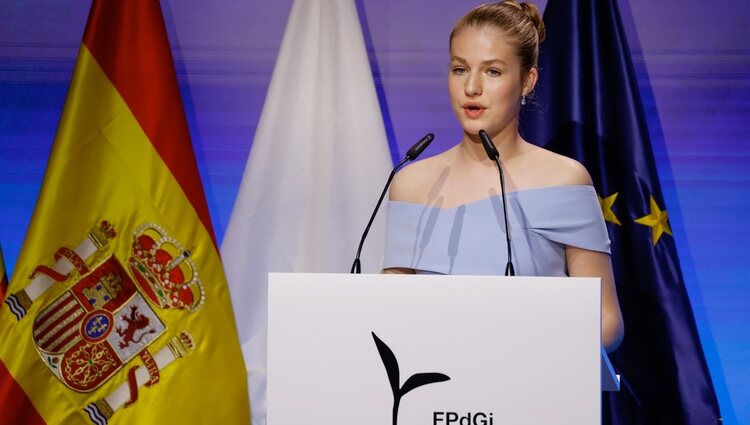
column 587, row 106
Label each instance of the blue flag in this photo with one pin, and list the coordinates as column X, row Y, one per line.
column 588, row 107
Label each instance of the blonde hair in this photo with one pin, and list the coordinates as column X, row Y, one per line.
column 520, row 21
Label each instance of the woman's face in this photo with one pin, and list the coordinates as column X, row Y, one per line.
column 485, row 80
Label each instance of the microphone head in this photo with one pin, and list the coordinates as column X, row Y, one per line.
column 489, row 147
column 419, row 147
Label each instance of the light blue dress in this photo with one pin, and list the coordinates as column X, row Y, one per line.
column 470, row 239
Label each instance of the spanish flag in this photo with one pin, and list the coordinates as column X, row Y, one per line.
column 118, row 310
column 3, row 275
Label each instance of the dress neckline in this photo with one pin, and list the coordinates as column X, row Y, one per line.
column 512, row 194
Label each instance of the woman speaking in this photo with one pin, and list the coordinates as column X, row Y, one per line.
column 445, row 213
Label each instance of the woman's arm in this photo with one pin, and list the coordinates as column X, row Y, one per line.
column 585, row 263
column 398, row 270
column 409, row 186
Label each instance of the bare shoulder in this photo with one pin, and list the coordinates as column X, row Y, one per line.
column 567, row 171
column 414, row 182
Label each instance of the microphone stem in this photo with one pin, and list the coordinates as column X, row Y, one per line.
column 509, row 271
column 357, row 266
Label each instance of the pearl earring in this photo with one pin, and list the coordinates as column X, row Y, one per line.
column 523, row 100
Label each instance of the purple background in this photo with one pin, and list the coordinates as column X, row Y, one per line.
column 693, row 65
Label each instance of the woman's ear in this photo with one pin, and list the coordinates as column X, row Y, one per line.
column 530, row 81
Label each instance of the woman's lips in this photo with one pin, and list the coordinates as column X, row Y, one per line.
column 473, row 111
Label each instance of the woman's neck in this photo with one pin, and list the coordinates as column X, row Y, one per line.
column 508, row 143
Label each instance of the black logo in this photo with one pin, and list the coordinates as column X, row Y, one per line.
column 415, row 381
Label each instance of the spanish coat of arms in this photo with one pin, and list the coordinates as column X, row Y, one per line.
column 109, row 316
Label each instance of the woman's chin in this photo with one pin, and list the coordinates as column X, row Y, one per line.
column 472, row 129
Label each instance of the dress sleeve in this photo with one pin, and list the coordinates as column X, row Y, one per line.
column 570, row 216
column 401, row 235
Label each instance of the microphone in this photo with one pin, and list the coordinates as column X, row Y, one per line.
column 411, row 155
column 417, row 149
column 494, row 155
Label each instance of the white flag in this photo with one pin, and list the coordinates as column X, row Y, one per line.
column 317, row 166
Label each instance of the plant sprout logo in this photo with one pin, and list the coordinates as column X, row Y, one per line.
column 415, row 381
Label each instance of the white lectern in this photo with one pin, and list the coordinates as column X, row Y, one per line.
column 425, row 349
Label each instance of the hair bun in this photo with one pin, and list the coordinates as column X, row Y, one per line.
column 521, row 22
column 532, row 12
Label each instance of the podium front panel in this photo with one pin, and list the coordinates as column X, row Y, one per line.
column 521, row 350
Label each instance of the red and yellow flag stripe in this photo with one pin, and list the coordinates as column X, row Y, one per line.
column 14, row 403
column 137, row 60
column 3, row 275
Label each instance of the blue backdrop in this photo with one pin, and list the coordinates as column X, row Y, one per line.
column 693, row 65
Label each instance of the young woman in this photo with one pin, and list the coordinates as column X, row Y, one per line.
column 446, row 215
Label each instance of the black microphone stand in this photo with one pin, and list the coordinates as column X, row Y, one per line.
column 411, row 155
column 494, row 155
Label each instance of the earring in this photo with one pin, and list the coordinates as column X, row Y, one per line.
column 523, row 100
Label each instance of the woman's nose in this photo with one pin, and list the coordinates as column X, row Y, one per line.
column 473, row 86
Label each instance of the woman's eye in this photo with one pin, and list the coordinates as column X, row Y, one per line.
column 494, row 73
column 458, row 70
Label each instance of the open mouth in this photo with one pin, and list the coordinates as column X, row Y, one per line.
column 473, row 110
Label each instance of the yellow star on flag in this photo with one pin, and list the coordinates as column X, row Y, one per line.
column 606, row 206
column 657, row 220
